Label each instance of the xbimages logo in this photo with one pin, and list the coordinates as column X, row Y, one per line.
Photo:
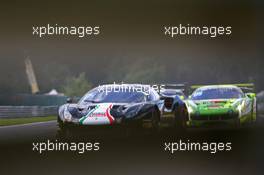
column 79, row 31
column 122, row 87
column 212, row 147
column 79, row 147
column 183, row 30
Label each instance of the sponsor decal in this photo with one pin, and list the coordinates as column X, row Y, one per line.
column 91, row 111
column 99, row 115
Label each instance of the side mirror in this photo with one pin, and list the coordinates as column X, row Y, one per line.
column 251, row 95
column 69, row 100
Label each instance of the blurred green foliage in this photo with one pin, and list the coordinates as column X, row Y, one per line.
column 76, row 86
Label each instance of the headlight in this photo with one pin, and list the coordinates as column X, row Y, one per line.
column 67, row 115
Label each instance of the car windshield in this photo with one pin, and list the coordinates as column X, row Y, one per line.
column 216, row 93
column 96, row 96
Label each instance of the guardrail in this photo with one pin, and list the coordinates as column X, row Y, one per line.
column 27, row 111
column 31, row 100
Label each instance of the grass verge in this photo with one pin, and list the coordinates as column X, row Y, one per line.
column 17, row 121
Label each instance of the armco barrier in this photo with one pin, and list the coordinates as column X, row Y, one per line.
column 31, row 100
column 27, row 111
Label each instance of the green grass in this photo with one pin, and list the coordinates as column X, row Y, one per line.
column 17, row 121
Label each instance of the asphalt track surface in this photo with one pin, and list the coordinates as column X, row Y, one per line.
column 16, row 133
column 135, row 154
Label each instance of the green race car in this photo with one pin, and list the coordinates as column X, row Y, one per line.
column 221, row 104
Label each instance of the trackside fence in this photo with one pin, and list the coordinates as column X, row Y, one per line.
column 27, row 111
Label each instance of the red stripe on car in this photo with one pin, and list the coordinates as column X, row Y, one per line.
column 109, row 116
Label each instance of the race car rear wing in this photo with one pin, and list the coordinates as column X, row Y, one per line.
column 246, row 87
column 175, row 86
column 180, row 87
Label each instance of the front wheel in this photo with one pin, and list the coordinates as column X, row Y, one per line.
column 152, row 124
column 180, row 118
column 155, row 120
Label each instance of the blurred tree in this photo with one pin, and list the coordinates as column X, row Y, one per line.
column 136, row 69
column 153, row 74
column 76, row 86
column 51, row 75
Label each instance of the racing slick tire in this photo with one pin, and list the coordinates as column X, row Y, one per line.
column 155, row 120
column 148, row 127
